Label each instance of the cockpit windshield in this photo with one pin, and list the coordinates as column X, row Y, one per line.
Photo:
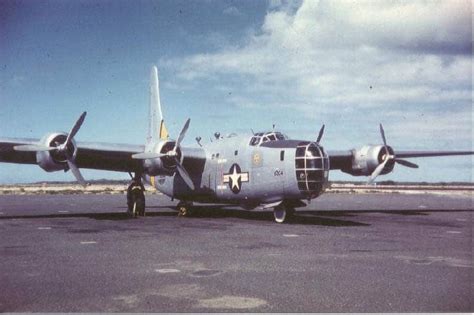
column 254, row 141
column 263, row 137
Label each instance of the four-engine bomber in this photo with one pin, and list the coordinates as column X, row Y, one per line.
column 265, row 169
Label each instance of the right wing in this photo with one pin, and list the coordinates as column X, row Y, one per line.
column 99, row 156
column 109, row 156
column 9, row 155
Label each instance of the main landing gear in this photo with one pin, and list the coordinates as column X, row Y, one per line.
column 136, row 197
column 283, row 213
column 184, row 209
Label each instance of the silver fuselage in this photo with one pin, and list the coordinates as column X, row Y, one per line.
column 232, row 171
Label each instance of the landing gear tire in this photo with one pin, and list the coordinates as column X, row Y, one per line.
column 283, row 214
column 184, row 209
column 135, row 201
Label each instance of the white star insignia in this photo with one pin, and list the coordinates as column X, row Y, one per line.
column 233, row 178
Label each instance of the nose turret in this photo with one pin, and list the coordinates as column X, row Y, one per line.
column 312, row 169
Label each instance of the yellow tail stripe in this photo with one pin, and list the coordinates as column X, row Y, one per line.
column 163, row 132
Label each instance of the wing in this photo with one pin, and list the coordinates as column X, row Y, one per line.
column 341, row 160
column 9, row 155
column 99, row 156
column 415, row 154
column 108, row 156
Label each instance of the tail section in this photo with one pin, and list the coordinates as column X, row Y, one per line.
column 156, row 127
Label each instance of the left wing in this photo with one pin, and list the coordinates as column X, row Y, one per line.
column 343, row 160
column 374, row 160
column 339, row 160
column 415, row 154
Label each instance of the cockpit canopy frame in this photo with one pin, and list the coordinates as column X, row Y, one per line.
column 263, row 137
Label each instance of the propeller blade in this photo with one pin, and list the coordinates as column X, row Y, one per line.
column 406, row 163
column 377, row 172
column 33, row 148
column 75, row 128
column 75, row 171
column 184, row 175
column 382, row 132
column 147, row 155
column 321, row 132
column 182, row 133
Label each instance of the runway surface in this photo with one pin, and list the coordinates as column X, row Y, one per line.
column 343, row 253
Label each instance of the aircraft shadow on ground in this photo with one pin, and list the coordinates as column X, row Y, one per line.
column 231, row 211
column 220, row 212
column 303, row 217
column 89, row 215
column 204, row 212
column 409, row 212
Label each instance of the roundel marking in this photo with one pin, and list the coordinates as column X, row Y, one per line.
column 235, row 178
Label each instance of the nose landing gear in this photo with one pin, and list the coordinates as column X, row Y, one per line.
column 283, row 213
column 136, row 197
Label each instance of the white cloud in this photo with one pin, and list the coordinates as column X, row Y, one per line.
column 435, row 26
column 326, row 56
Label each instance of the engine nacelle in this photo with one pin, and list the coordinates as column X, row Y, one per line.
column 165, row 165
column 366, row 159
column 52, row 161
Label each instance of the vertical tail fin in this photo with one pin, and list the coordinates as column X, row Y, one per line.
column 156, row 126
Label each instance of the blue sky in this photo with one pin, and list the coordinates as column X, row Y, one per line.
column 235, row 65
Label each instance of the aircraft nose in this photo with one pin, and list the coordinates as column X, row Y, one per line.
column 312, row 168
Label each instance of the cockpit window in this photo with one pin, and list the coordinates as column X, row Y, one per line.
column 261, row 137
column 255, row 141
column 279, row 136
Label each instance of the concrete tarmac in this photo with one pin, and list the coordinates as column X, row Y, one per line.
column 342, row 253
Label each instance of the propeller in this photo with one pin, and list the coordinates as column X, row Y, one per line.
column 184, row 174
column 33, row 148
column 147, row 155
column 171, row 154
column 75, row 129
column 321, row 132
column 406, row 163
column 387, row 157
column 61, row 149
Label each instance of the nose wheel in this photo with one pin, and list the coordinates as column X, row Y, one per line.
column 136, row 198
column 283, row 213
